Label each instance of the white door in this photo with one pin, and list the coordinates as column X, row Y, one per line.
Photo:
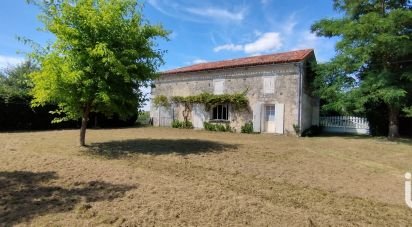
column 270, row 118
column 198, row 115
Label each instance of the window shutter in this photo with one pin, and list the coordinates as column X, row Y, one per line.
column 218, row 86
column 199, row 115
column 279, row 122
column 269, row 85
column 257, row 108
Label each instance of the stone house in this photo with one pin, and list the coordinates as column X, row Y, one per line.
column 276, row 85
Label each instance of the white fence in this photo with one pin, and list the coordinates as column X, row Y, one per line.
column 345, row 124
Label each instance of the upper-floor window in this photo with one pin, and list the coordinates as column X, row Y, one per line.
column 218, row 86
column 269, row 85
column 220, row 112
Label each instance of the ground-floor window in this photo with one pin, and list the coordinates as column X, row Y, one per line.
column 220, row 112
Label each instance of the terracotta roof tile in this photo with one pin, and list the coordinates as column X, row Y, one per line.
column 291, row 56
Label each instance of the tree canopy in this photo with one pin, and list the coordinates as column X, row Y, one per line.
column 374, row 58
column 103, row 54
column 15, row 81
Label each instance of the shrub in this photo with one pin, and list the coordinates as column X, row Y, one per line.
column 176, row 124
column 217, row 127
column 209, row 126
column 220, row 127
column 182, row 124
column 187, row 124
column 247, row 128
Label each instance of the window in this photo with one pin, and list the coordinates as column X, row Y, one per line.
column 269, row 85
column 270, row 113
column 218, row 86
column 220, row 112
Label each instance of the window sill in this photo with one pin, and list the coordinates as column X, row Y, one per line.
column 219, row 121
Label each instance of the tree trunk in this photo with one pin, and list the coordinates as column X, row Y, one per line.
column 393, row 122
column 85, row 117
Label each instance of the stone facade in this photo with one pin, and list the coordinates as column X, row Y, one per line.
column 285, row 97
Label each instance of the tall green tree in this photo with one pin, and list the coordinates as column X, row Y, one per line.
column 15, row 81
column 103, row 54
column 374, row 57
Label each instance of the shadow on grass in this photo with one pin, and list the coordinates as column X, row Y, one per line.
column 117, row 149
column 24, row 195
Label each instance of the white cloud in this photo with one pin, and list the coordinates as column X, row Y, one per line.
column 198, row 61
column 6, row 61
column 198, row 13
column 218, row 14
column 230, row 46
column 266, row 42
column 264, row 2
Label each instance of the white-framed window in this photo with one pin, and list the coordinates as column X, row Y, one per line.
column 269, row 85
column 220, row 112
column 218, row 86
column 270, row 113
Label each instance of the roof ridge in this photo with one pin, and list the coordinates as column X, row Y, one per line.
column 283, row 57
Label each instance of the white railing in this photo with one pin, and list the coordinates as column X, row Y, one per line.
column 345, row 124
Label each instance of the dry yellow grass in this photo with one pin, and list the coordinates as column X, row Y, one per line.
column 171, row 177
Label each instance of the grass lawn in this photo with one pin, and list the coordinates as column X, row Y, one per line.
column 174, row 177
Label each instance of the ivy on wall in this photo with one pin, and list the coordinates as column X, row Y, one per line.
column 161, row 100
column 238, row 100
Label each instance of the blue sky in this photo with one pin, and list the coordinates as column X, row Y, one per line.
column 201, row 31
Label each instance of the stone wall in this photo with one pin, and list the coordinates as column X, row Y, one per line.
column 239, row 80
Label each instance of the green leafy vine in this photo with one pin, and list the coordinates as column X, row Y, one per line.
column 238, row 100
column 161, row 100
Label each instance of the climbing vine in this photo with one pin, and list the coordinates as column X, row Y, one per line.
column 161, row 100
column 238, row 100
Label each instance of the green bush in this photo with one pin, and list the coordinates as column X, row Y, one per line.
column 187, row 124
column 247, row 128
column 217, row 127
column 176, row 124
column 182, row 124
column 208, row 126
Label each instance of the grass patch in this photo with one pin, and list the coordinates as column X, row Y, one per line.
column 179, row 177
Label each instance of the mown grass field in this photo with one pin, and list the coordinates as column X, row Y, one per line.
column 172, row 177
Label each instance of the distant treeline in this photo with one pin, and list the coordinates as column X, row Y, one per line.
column 17, row 114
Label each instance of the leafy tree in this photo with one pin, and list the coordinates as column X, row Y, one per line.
column 374, row 56
column 103, row 54
column 15, row 81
